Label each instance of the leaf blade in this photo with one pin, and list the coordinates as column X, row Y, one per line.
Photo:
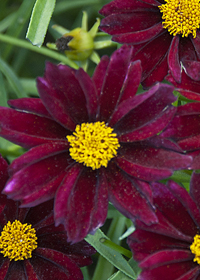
column 41, row 15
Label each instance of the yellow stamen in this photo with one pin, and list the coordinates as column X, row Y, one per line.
column 195, row 248
column 17, row 241
column 93, row 144
column 181, row 16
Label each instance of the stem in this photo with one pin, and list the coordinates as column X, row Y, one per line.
column 42, row 50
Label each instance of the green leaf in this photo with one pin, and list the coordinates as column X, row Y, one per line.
column 121, row 276
column 128, row 232
column 12, row 79
column 39, row 22
column 3, row 93
column 110, row 254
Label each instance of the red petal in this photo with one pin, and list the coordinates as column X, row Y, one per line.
column 128, row 196
column 139, row 37
column 77, row 205
column 100, row 73
column 90, row 93
column 33, row 105
column 125, row 6
column 28, row 129
column 64, row 100
column 111, row 91
column 47, row 263
column 173, row 59
column 166, row 257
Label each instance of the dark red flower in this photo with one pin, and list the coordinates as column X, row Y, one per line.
column 145, row 24
column 187, row 87
column 39, row 250
column 76, row 158
column 184, row 130
column 170, row 248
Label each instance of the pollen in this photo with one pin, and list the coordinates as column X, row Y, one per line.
column 17, row 241
column 181, row 16
column 93, row 144
column 195, row 248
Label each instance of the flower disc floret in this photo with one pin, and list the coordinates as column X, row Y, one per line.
column 17, row 241
column 195, row 248
column 181, row 16
column 93, row 144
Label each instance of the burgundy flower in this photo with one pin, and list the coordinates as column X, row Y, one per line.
column 31, row 247
column 91, row 140
column 187, row 87
column 165, row 34
column 170, row 249
column 184, row 130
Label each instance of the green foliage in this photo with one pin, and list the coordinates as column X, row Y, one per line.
column 39, row 22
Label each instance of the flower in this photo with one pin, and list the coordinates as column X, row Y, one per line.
column 80, row 44
column 184, row 130
column 91, row 140
column 187, row 87
column 170, row 248
column 31, row 247
column 165, row 36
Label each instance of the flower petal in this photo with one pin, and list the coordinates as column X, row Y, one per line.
column 166, row 257
column 153, row 105
column 125, row 6
column 32, row 105
column 157, row 55
column 196, row 43
column 77, row 205
column 30, row 271
column 4, row 267
column 47, row 263
column 148, row 163
column 112, row 87
column 173, row 59
column 192, row 69
column 188, row 87
column 143, row 243
column 174, row 271
column 89, row 91
column 37, row 176
column 139, row 37
column 16, row 271
column 138, row 24
column 30, row 129
column 100, row 73
column 128, row 195
column 37, row 154
column 194, row 188
column 64, row 100
column 184, row 220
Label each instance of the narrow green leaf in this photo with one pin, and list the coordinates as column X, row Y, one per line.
column 180, row 176
column 105, row 269
column 110, row 254
column 12, row 79
column 67, row 5
column 39, row 22
column 19, row 21
column 121, row 276
column 3, row 93
column 42, row 50
column 127, row 233
column 6, row 22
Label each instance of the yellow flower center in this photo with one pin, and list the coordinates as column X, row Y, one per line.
column 181, row 16
column 195, row 248
column 17, row 241
column 93, row 144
